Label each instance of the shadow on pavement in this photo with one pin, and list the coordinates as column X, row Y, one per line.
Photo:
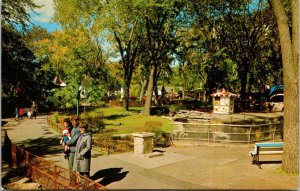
column 9, row 174
column 3, row 123
column 43, row 146
column 269, row 162
column 109, row 175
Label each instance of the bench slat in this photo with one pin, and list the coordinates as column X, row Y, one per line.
column 270, row 152
column 272, row 144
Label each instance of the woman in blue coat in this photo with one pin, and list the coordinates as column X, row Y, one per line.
column 82, row 159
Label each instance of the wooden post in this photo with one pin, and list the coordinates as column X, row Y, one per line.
column 249, row 136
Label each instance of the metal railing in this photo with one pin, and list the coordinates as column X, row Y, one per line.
column 46, row 173
column 228, row 132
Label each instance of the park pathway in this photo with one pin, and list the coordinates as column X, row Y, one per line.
column 201, row 166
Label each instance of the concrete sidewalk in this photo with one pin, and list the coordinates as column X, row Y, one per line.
column 185, row 165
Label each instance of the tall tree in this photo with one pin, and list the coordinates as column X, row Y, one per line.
column 236, row 31
column 290, row 56
column 76, row 57
column 160, row 23
column 114, row 20
column 19, row 65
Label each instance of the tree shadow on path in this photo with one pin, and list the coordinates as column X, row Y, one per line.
column 43, row 146
column 109, row 175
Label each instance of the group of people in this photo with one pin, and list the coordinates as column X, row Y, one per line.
column 31, row 113
column 77, row 145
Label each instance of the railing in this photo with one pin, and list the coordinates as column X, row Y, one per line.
column 46, row 173
column 55, row 126
column 228, row 132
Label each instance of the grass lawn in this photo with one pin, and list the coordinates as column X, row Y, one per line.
column 129, row 122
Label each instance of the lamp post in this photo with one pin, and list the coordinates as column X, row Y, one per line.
column 78, row 98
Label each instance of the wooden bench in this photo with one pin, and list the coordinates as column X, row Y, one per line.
column 270, row 148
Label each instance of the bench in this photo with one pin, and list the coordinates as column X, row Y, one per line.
column 270, row 148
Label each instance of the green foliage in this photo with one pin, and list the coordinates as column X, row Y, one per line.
column 55, row 117
column 155, row 127
column 16, row 12
column 174, row 108
column 22, row 80
column 94, row 121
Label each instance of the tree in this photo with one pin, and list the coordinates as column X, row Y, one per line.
column 113, row 20
column 19, row 66
column 76, row 57
column 160, row 23
column 16, row 12
column 237, row 31
column 17, row 69
column 290, row 57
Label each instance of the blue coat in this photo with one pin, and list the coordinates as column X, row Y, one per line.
column 75, row 134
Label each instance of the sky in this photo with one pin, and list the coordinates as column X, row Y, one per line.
column 43, row 16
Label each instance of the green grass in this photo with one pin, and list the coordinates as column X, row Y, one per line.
column 126, row 122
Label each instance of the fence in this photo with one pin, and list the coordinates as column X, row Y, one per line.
column 228, row 132
column 44, row 172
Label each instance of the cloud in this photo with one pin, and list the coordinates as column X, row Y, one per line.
column 45, row 13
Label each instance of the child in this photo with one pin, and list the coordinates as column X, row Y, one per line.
column 29, row 114
column 65, row 137
column 17, row 114
column 21, row 112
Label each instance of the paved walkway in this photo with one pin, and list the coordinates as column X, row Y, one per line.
column 182, row 166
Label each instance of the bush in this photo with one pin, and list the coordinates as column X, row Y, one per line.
column 55, row 117
column 94, row 121
column 175, row 108
column 155, row 127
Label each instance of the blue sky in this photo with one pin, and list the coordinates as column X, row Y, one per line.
column 43, row 16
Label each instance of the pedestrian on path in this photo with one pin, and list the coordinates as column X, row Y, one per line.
column 21, row 113
column 75, row 134
column 83, row 149
column 34, row 109
column 17, row 114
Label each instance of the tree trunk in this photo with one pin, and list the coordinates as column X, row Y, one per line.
column 290, row 53
column 147, row 108
column 155, row 90
column 244, row 77
column 126, row 96
column 143, row 85
column 183, row 91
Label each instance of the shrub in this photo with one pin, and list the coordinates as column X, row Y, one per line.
column 55, row 117
column 94, row 121
column 154, row 127
column 175, row 108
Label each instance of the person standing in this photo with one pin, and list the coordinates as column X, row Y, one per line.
column 75, row 134
column 83, row 149
column 21, row 113
column 66, row 135
column 17, row 114
column 34, row 109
